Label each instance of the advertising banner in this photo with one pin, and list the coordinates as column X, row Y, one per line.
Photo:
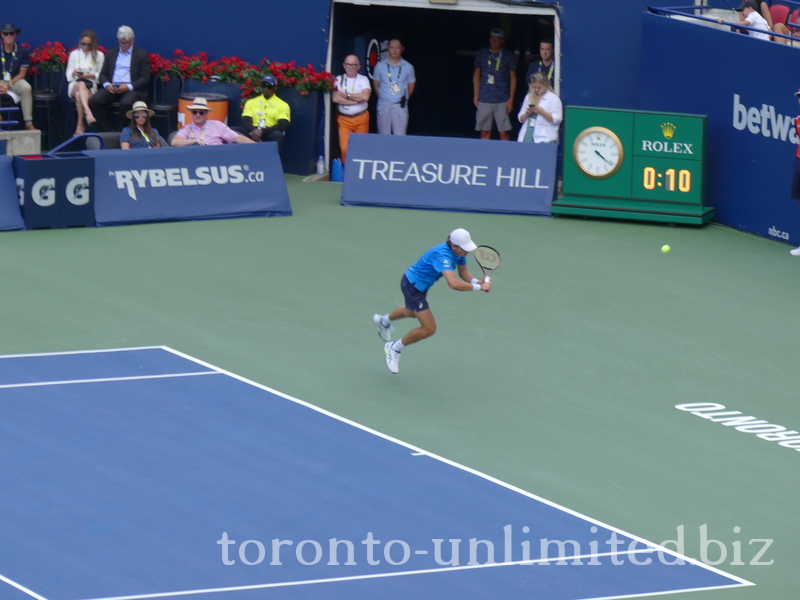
column 195, row 182
column 749, row 97
column 10, row 215
column 55, row 191
column 457, row 174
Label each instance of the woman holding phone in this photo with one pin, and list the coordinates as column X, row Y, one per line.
column 541, row 113
column 83, row 68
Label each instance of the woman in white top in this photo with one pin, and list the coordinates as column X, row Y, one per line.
column 83, row 69
column 541, row 112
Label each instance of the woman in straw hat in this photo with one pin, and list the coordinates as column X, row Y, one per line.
column 140, row 134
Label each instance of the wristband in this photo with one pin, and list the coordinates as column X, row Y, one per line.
column 475, row 280
column 476, row 287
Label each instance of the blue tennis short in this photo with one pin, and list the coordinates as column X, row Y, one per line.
column 416, row 301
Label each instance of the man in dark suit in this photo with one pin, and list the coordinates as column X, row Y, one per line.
column 123, row 79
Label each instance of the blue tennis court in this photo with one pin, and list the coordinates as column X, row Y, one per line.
column 145, row 473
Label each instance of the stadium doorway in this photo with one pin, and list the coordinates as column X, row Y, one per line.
column 440, row 41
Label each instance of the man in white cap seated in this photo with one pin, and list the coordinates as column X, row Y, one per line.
column 441, row 260
column 203, row 131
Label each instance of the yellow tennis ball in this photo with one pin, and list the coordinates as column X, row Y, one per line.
column 665, row 248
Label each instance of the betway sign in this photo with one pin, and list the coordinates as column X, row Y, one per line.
column 450, row 174
column 763, row 120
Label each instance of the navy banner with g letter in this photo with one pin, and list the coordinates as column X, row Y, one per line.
column 176, row 184
column 450, row 174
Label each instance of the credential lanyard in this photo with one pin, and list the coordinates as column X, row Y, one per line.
column 191, row 132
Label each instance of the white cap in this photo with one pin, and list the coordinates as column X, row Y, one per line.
column 460, row 237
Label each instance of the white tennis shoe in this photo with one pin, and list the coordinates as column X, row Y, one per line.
column 384, row 332
column 795, row 252
column 392, row 358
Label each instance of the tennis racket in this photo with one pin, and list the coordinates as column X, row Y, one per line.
column 488, row 260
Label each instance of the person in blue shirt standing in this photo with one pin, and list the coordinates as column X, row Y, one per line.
column 494, row 84
column 441, row 260
column 394, row 81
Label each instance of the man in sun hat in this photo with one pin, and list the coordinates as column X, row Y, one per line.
column 266, row 117
column 441, row 260
column 203, row 131
column 16, row 61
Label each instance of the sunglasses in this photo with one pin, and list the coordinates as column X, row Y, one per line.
column 351, row 65
column 85, row 44
column 198, row 112
column 9, row 33
column 139, row 115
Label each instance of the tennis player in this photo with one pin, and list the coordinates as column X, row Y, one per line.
column 441, row 260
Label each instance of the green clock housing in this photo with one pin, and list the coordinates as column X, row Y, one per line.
column 634, row 165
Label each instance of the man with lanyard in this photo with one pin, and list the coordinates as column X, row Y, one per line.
column 494, row 83
column 351, row 92
column 16, row 61
column 266, row 117
column 546, row 64
column 203, row 131
column 394, row 81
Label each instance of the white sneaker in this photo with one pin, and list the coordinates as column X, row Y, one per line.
column 384, row 332
column 795, row 252
column 392, row 358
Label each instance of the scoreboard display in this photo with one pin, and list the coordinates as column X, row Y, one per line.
column 634, row 164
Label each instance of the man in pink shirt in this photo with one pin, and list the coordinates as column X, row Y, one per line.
column 203, row 131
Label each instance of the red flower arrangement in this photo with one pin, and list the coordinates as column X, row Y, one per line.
column 53, row 56
column 50, row 58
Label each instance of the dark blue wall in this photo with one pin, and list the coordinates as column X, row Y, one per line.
column 601, row 52
column 281, row 31
column 600, row 41
column 726, row 76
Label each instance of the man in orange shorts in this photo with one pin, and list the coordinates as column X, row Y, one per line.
column 351, row 92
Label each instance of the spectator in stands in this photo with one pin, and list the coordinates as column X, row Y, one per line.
column 123, row 79
column 266, row 117
column 494, row 83
column 394, row 81
column 541, row 113
column 140, row 133
column 796, row 175
column 203, row 131
column 16, row 61
column 83, row 72
column 546, row 64
column 752, row 18
column 351, row 92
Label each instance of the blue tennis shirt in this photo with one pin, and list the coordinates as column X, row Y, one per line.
column 429, row 268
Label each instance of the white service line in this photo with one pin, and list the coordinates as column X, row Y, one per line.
column 22, row 588
column 400, row 574
column 132, row 378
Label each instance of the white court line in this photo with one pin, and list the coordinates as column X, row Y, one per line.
column 100, row 351
column 569, row 511
column 418, row 451
column 100, row 380
column 22, row 588
column 401, row 574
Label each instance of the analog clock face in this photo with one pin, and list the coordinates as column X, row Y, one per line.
column 597, row 152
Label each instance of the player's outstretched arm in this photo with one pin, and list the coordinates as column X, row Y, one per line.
column 464, row 286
